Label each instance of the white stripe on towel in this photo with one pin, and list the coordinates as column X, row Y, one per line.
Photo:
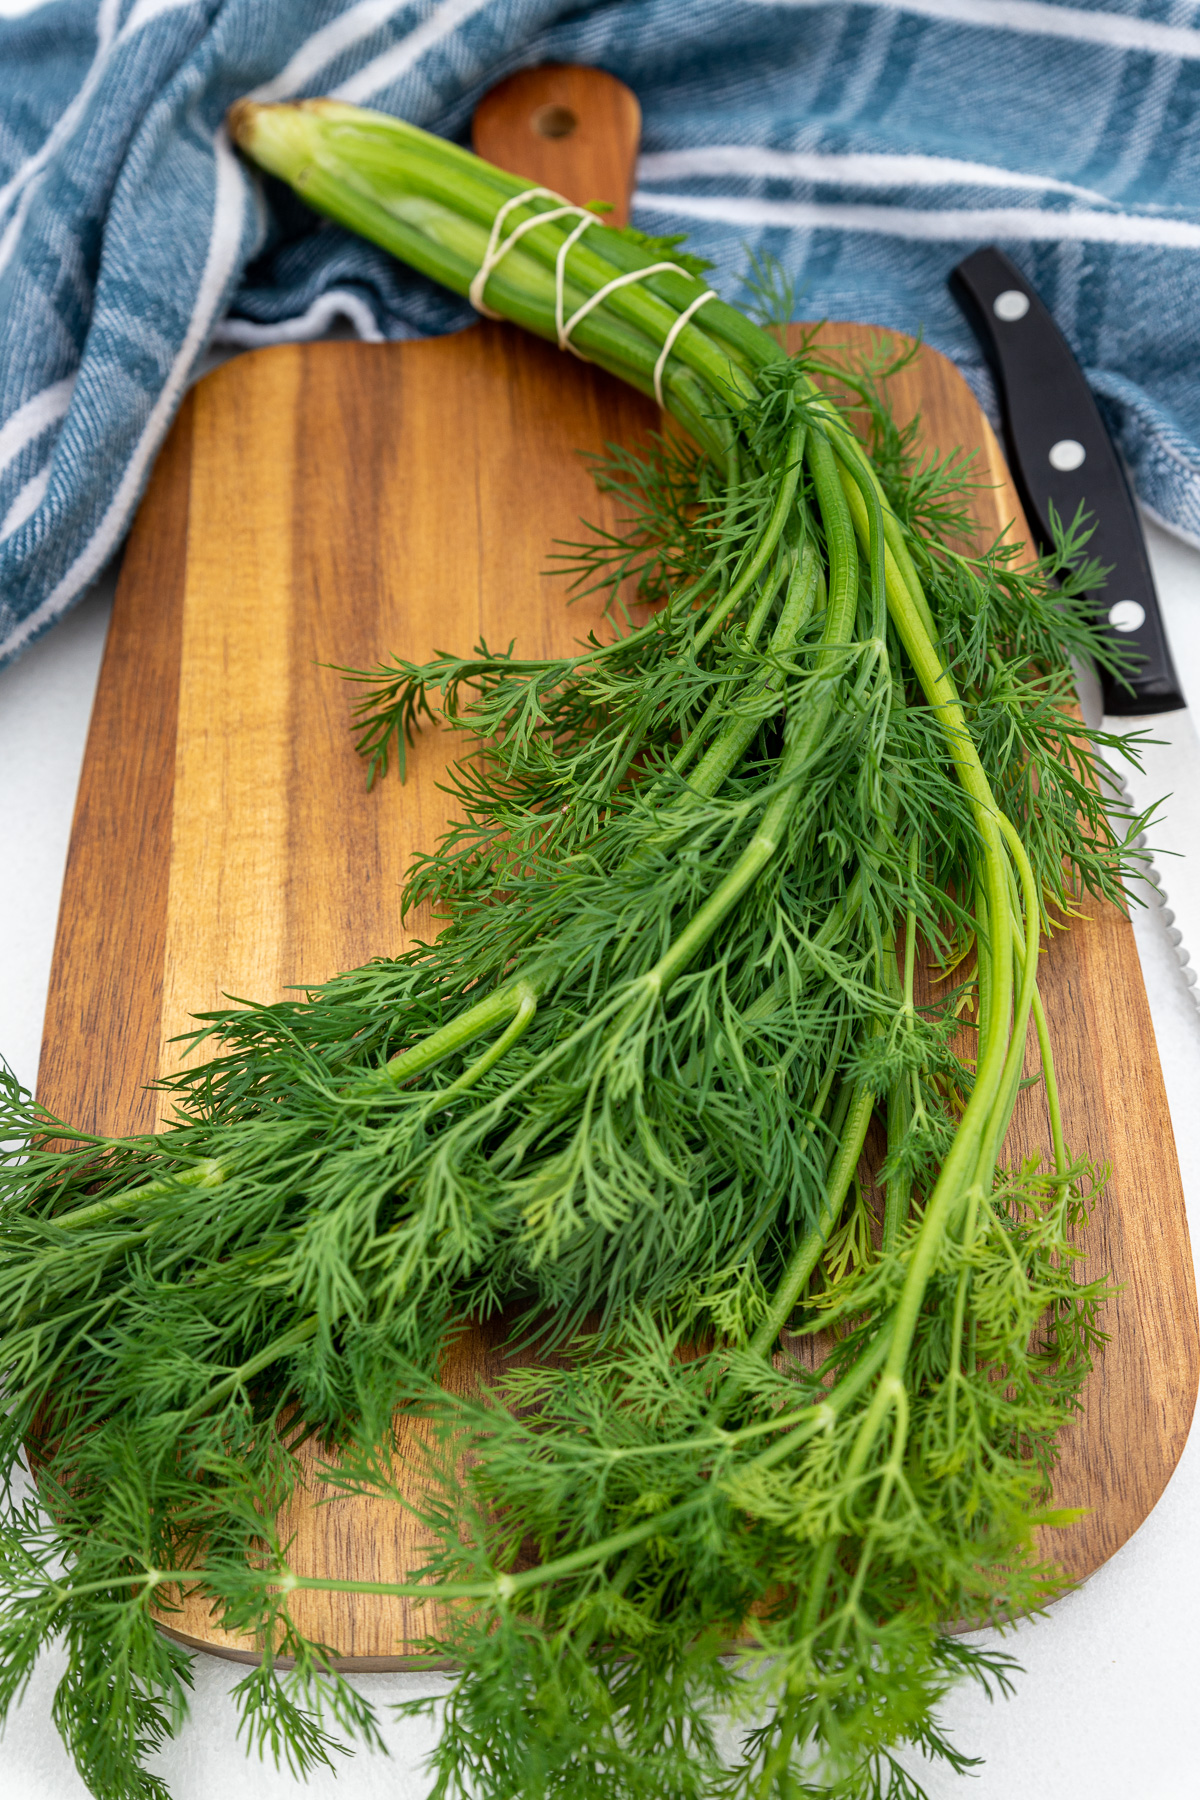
column 28, row 499
column 1024, row 223
column 318, row 51
column 1039, row 18
column 30, row 420
column 857, row 168
column 391, row 64
column 313, row 322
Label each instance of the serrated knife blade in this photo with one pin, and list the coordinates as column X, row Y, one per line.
column 1168, row 780
column 1062, row 456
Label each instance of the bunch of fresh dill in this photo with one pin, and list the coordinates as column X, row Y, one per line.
column 627, row 1092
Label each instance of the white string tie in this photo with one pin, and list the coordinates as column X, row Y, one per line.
column 610, row 287
column 498, row 247
column 497, row 250
column 669, row 342
column 560, row 277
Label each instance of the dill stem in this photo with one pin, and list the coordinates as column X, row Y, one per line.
column 509, row 1005
column 718, row 704
column 899, row 568
column 825, row 1412
column 855, row 482
column 954, row 1375
column 723, row 754
column 743, row 873
column 209, row 1173
column 843, row 583
column 501, row 1586
column 839, row 625
column 282, row 1346
column 889, row 1393
column 527, row 999
column 900, row 1110
column 1026, row 952
column 793, row 457
column 900, row 1187
column 889, row 1476
column 1062, row 1160
column 805, row 1257
column 819, row 1418
column 994, row 1035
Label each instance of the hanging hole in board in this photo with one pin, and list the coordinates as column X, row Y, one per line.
column 554, row 121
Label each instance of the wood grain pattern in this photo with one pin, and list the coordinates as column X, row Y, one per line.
column 103, row 1023
column 525, row 124
column 334, row 502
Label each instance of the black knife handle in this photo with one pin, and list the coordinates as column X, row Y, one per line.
column 1060, row 452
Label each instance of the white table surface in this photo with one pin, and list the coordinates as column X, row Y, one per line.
column 1109, row 1705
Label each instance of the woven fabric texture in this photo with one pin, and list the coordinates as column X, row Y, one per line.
column 867, row 147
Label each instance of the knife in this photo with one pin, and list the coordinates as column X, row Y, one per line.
column 1061, row 456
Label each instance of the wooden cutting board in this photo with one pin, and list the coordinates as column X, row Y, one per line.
column 334, row 502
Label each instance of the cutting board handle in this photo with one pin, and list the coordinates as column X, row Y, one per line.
column 565, row 127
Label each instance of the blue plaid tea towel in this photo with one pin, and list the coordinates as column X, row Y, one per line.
column 868, row 147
